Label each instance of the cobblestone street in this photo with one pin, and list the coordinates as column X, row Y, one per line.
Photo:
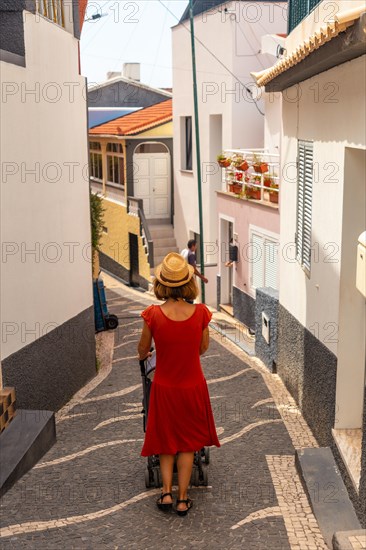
column 88, row 492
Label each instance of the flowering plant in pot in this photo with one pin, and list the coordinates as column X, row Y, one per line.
column 240, row 163
column 237, row 187
column 223, row 160
column 252, row 192
column 259, row 166
column 273, row 195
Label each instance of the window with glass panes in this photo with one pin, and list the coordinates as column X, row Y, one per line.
column 115, row 164
column 96, row 163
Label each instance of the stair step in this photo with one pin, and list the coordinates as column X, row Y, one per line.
column 161, row 231
column 164, row 250
column 165, row 242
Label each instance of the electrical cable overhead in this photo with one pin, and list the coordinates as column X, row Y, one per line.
column 215, row 57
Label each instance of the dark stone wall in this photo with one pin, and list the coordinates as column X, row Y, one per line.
column 109, row 264
column 309, row 370
column 124, row 94
column 244, row 308
column 48, row 372
column 12, row 26
column 267, row 302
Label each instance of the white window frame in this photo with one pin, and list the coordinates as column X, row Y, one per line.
column 95, row 153
column 304, row 204
column 112, row 155
column 267, row 236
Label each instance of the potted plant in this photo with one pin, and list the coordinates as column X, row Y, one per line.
column 223, row 160
column 259, row 166
column 240, row 163
column 273, row 195
column 237, row 188
column 239, row 176
column 252, row 192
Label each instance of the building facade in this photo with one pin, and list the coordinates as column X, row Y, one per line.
column 47, row 318
column 131, row 168
column 321, row 320
column 227, row 48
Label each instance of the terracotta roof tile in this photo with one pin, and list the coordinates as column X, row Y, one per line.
column 137, row 122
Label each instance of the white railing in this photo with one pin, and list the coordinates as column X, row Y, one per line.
column 252, row 174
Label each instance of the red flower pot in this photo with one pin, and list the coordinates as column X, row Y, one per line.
column 267, row 182
column 253, row 193
column 273, row 197
column 225, row 163
column 243, row 166
column 261, row 167
column 237, row 188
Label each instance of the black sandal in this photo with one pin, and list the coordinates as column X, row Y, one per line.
column 189, row 504
column 165, row 507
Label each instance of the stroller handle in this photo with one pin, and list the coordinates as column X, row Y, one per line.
column 142, row 364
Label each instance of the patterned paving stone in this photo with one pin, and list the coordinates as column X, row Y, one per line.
column 88, row 492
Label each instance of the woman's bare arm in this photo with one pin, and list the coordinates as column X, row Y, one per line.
column 205, row 341
column 145, row 342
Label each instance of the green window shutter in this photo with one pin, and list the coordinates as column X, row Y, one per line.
column 304, row 204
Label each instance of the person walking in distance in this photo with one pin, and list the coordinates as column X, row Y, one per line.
column 192, row 260
column 180, row 419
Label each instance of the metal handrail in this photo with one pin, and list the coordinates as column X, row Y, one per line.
column 144, row 228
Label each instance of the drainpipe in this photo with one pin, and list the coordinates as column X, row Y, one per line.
column 198, row 148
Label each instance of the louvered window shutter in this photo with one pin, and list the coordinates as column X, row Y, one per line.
column 304, row 204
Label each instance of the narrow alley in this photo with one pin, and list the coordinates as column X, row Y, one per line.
column 89, row 491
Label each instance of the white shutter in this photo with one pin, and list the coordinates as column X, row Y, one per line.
column 271, row 264
column 257, row 257
column 304, row 203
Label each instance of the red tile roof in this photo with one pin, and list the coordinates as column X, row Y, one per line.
column 82, row 9
column 137, row 122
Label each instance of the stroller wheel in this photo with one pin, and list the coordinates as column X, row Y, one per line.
column 157, row 481
column 204, row 481
column 195, row 478
column 147, row 478
column 207, row 455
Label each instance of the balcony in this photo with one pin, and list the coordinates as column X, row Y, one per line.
column 298, row 10
column 251, row 175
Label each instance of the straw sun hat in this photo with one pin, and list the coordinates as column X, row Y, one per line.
column 174, row 271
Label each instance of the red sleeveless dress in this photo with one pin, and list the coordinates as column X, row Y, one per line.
column 180, row 417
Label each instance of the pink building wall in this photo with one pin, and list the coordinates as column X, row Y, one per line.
column 244, row 214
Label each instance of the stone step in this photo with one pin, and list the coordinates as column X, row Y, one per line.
column 162, row 251
column 161, row 231
column 165, row 242
column 326, row 492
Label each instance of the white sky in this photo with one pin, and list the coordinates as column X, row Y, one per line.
column 132, row 31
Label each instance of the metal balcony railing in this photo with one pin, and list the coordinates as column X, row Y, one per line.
column 298, row 10
column 252, row 174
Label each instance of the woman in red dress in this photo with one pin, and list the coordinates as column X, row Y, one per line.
column 180, row 419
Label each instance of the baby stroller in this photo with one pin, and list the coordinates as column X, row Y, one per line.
column 152, row 473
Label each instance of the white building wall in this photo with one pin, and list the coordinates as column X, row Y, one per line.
column 47, row 211
column 334, row 122
column 234, row 39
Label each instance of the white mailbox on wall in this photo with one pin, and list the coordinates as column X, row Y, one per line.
column 361, row 264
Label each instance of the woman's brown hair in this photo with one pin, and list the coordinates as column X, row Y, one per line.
column 189, row 291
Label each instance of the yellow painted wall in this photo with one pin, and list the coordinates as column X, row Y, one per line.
column 165, row 130
column 115, row 243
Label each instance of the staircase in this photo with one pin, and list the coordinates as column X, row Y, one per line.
column 164, row 241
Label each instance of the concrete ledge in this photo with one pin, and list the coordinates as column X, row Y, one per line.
column 27, row 438
column 326, row 492
column 343, row 540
